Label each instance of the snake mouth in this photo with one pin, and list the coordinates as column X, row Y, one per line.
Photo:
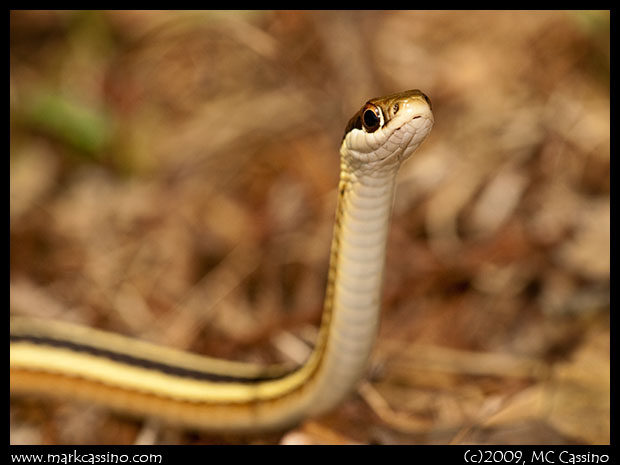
column 409, row 134
column 402, row 125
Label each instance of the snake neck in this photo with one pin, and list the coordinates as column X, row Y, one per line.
column 355, row 280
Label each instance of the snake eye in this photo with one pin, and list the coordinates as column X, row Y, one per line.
column 371, row 119
column 395, row 108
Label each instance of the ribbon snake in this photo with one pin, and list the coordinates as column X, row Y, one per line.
column 57, row 359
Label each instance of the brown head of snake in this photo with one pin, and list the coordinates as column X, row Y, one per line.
column 57, row 359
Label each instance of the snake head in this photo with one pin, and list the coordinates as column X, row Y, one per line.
column 387, row 130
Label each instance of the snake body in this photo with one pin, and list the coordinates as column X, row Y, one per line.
column 57, row 359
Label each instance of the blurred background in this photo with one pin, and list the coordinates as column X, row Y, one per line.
column 173, row 177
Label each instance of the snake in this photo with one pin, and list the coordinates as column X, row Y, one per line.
column 50, row 358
